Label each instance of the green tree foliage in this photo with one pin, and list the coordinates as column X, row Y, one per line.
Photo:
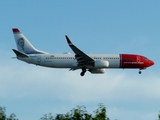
column 80, row 113
column 3, row 115
column 100, row 113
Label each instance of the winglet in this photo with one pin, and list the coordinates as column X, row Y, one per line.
column 68, row 40
column 15, row 30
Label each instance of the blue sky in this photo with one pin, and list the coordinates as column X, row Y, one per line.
column 95, row 27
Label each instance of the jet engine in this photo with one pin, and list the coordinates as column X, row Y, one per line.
column 101, row 64
column 97, row 71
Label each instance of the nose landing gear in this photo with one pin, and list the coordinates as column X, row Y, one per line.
column 140, row 72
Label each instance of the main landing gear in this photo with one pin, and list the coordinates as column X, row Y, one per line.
column 83, row 71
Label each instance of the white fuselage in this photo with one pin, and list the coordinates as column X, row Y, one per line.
column 68, row 60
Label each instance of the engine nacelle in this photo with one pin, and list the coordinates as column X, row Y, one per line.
column 97, row 71
column 101, row 64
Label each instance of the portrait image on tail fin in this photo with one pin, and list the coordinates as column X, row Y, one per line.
column 21, row 43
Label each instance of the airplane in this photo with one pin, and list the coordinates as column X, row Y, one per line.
column 94, row 63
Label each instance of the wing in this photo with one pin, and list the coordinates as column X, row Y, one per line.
column 82, row 58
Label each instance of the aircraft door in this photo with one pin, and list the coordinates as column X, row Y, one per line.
column 38, row 60
column 138, row 59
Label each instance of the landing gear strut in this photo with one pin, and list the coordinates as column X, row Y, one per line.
column 83, row 71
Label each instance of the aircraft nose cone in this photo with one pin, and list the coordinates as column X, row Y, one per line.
column 151, row 62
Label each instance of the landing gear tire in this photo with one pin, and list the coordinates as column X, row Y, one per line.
column 83, row 71
column 140, row 72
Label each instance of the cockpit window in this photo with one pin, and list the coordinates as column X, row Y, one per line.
column 146, row 58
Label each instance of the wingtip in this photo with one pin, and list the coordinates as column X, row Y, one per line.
column 68, row 40
column 15, row 30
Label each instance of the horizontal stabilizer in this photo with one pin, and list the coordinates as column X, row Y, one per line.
column 19, row 54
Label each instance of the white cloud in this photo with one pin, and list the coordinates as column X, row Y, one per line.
column 31, row 79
